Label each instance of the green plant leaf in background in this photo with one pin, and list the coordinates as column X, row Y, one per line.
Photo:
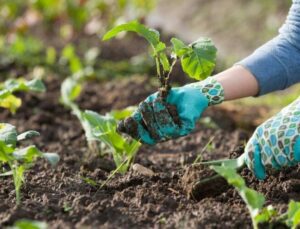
column 151, row 35
column 10, row 101
column 266, row 214
column 28, row 135
column 8, row 134
column 293, row 213
column 29, row 224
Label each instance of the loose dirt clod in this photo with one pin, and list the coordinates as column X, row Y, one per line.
column 142, row 170
column 198, row 182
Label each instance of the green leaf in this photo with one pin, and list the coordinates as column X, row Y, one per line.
column 266, row 214
column 293, row 214
column 52, row 158
column 230, row 175
column 253, row 199
column 20, row 84
column 29, row 224
column 28, row 154
column 104, row 129
column 70, row 90
column 8, row 134
column 28, row 135
column 198, row 61
column 179, row 48
column 5, row 152
column 10, row 102
column 36, row 85
column 122, row 114
column 151, row 35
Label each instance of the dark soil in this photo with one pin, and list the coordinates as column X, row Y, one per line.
column 61, row 197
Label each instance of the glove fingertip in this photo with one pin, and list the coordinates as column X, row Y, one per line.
column 259, row 168
column 297, row 150
column 136, row 130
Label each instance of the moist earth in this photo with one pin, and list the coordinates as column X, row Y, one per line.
column 63, row 197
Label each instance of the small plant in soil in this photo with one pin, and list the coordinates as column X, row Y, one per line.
column 101, row 128
column 197, row 59
column 255, row 201
column 29, row 224
column 15, row 160
column 7, row 89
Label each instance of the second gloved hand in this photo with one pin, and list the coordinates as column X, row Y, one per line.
column 276, row 143
column 155, row 120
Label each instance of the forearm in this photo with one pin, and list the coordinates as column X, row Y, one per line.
column 274, row 66
column 237, row 82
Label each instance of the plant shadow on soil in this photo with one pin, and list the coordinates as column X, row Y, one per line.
column 62, row 198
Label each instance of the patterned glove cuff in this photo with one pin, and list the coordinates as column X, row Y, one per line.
column 212, row 89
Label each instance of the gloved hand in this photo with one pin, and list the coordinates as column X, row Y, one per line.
column 275, row 143
column 155, row 121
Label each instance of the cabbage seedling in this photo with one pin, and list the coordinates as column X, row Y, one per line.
column 101, row 128
column 19, row 159
column 197, row 59
column 7, row 89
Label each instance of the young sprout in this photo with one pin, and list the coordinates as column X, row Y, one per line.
column 7, row 89
column 19, row 160
column 197, row 59
column 102, row 128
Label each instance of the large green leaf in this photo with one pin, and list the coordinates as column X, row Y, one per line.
column 197, row 59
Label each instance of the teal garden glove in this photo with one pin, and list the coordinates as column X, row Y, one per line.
column 276, row 143
column 155, row 121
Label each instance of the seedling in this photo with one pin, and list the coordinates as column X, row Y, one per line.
column 197, row 59
column 29, row 224
column 7, row 89
column 101, row 128
column 19, row 160
column 255, row 200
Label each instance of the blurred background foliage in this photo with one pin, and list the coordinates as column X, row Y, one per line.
column 63, row 37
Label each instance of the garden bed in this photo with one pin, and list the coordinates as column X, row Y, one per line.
column 65, row 198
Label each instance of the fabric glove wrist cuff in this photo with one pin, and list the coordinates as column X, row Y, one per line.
column 210, row 88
